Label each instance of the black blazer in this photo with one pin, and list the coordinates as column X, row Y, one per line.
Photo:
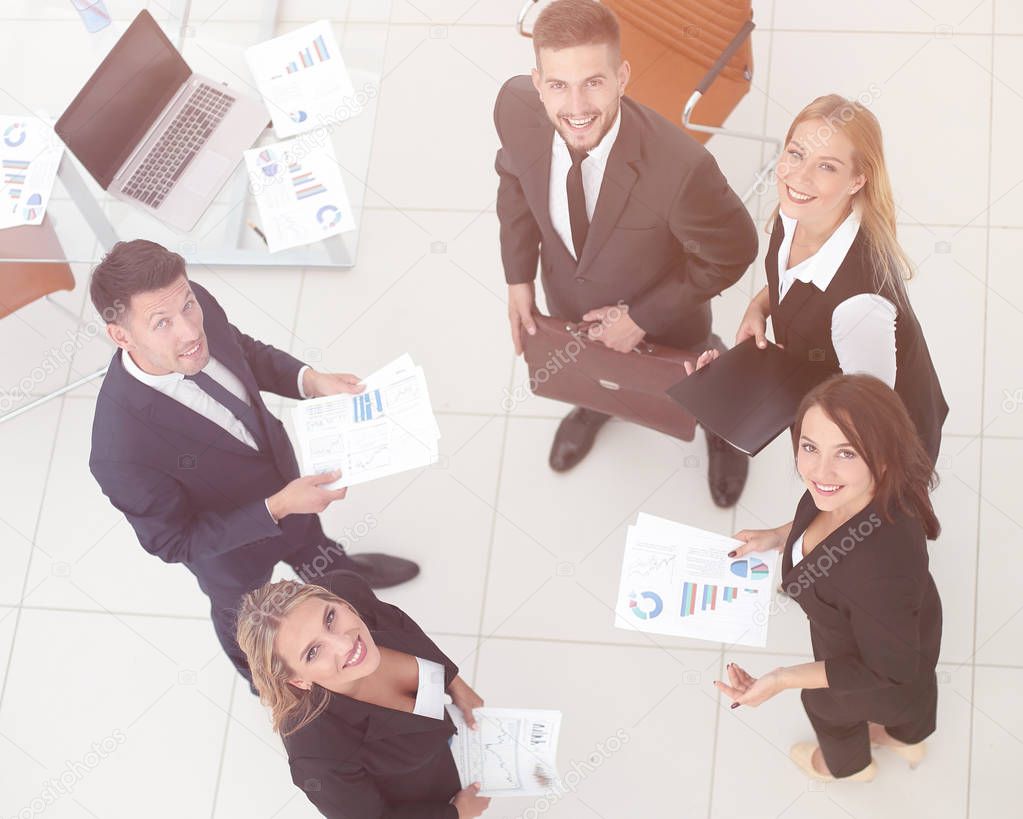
column 874, row 611
column 193, row 492
column 802, row 323
column 362, row 761
column 667, row 232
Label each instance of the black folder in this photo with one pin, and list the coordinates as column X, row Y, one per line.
column 748, row 396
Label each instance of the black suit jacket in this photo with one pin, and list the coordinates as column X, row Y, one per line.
column 362, row 761
column 874, row 611
column 193, row 492
column 668, row 233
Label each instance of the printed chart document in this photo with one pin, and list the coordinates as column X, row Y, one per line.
column 386, row 429
column 299, row 192
column 302, row 78
column 679, row 580
column 30, row 152
column 512, row 753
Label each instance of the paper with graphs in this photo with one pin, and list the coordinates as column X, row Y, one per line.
column 387, row 428
column 299, row 192
column 513, row 752
column 30, row 153
column 679, row 580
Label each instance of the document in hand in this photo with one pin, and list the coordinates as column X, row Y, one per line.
column 303, row 79
column 512, row 753
column 386, row 429
column 747, row 395
column 679, row 580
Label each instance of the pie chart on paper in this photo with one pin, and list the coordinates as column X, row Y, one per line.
column 751, row 568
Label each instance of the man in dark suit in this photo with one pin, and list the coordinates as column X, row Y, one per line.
column 184, row 446
column 632, row 222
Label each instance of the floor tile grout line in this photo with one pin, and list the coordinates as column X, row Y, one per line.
column 223, row 746
column 493, row 533
column 983, row 389
column 714, row 742
column 31, row 553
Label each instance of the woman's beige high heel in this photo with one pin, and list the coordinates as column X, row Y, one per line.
column 913, row 754
column 802, row 754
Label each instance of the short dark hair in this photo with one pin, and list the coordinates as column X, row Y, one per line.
column 138, row 266
column 570, row 23
column 874, row 420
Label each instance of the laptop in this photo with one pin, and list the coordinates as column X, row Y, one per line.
column 153, row 133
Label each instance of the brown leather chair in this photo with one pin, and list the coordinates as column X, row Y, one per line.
column 23, row 282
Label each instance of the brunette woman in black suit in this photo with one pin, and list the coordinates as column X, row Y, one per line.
column 855, row 560
column 835, row 270
column 356, row 691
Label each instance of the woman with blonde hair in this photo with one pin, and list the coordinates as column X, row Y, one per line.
column 854, row 558
column 835, row 271
column 356, row 691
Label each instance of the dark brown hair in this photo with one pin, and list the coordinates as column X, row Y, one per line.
column 138, row 266
column 569, row 23
column 875, row 422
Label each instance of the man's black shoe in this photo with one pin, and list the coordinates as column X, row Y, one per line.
column 726, row 471
column 574, row 437
column 381, row 571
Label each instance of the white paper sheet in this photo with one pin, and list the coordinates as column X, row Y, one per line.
column 299, row 192
column 679, row 580
column 386, row 429
column 512, row 753
column 302, row 78
column 30, row 152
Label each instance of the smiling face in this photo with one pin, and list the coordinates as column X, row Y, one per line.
column 163, row 330
column 838, row 478
column 581, row 87
column 327, row 644
column 816, row 174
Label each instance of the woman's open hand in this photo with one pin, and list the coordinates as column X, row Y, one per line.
column 746, row 689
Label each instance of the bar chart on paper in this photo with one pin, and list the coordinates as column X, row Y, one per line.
column 679, row 580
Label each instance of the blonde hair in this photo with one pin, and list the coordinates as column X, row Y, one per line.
column 874, row 201
column 260, row 616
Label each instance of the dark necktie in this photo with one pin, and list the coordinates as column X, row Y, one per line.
column 231, row 402
column 577, row 202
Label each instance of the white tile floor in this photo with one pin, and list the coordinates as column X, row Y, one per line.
column 108, row 666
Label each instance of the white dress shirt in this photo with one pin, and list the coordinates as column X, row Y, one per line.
column 863, row 326
column 430, row 693
column 189, row 394
column 797, row 550
column 593, row 177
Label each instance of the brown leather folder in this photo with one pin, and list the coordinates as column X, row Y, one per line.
column 566, row 365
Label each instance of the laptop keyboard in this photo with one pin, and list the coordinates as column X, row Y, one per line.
column 182, row 140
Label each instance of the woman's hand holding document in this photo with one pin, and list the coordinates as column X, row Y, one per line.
column 684, row 581
column 386, row 428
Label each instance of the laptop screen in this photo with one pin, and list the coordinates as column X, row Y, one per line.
column 123, row 98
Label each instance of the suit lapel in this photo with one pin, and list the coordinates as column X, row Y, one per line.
column 619, row 178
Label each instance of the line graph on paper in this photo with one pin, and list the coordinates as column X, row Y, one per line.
column 401, row 393
column 500, row 753
column 651, row 563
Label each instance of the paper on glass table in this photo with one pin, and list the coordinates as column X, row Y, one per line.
column 386, row 429
column 303, row 79
column 30, row 152
column 679, row 580
column 513, row 752
column 299, row 192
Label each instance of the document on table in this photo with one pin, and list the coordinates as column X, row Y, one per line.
column 30, row 152
column 303, row 79
column 386, row 429
column 299, row 192
column 513, row 752
column 679, row 580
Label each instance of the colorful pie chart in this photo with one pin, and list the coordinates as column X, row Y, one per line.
column 751, row 568
column 299, row 116
column 14, row 134
column 328, row 216
column 648, row 610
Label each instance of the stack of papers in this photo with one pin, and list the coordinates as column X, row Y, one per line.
column 679, row 580
column 512, row 753
column 303, row 79
column 386, row 429
column 299, row 192
column 30, row 152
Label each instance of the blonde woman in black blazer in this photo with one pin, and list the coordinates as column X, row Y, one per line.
column 855, row 560
column 355, row 690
